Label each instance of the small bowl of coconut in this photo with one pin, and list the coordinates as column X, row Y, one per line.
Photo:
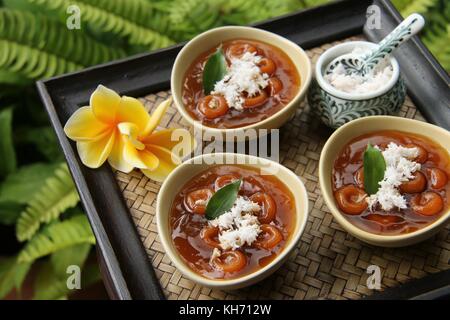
column 338, row 98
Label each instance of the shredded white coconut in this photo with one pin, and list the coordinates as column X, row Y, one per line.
column 373, row 81
column 399, row 169
column 243, row 75
column 238, row 226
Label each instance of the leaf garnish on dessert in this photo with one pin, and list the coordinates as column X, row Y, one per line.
column 374, row 168
column 214, row 71
column 222, row 200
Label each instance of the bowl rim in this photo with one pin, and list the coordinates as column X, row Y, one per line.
column 330, row 201
column 304, row 83
column 330, row 54
column 174, row 256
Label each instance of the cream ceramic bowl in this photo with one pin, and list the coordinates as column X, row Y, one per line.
column 362, row 126
column 213, row 38
column 186, row 171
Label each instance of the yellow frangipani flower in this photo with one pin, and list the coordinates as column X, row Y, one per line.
column 155, row 153
column 95, row 130
column 121, row 130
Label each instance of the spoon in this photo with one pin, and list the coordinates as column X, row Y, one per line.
column 363, row 65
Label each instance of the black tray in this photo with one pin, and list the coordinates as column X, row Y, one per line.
column 126, row 268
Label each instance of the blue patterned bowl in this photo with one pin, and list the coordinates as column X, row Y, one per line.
column 335, row 107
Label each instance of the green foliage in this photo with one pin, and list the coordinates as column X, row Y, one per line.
column 20, row 64
column 71, row 256
column 9, row 212
column 43, row 139
column 251, row 11
column 33, row 47
column 436, row 33
column 311, row 3
column 7, row 153
column 129, row 20
column 437, row 40
column 21, row 185
column 12, row 275
column 56, row 195
column 191, row 17
column 52, row 283
column 57, row 236
column 48, row 286
column 418, row 6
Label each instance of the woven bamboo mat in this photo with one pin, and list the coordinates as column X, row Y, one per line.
column 327, row 263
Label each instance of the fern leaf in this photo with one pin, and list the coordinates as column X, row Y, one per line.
column 143, row 13
column 57, row 236
column 20, row 186
column 130, row 20
column 71, row 256
column 48, row 286
column 42, row 138
column 33, row 47
column 437, row 41
column 191, row 17
column 250, row 11
column 12, row 275
column 9, row 212
column 21, row 64
column 195, row 16
column 312, row 3
column 8, row 161
column 401, row 4
column 418, row 6
column 56, row 195
column 436, row 34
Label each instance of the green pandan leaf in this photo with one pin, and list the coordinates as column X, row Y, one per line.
column 214, row 71
column 374, row 168
column 222, row 200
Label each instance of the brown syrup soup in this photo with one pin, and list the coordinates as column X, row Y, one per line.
column 192, row 92
column 186, row 226
column 396, row 221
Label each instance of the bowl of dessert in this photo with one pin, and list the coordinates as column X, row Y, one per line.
column 386, row 179
column 230, row 79
column 337, row 97
column 232, row 224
